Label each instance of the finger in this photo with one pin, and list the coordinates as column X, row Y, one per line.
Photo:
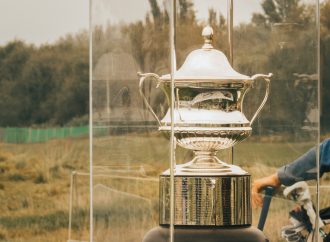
column 297, row 208
column 257, row 186
column 257, row 200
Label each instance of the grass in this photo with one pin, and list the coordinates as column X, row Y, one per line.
column 20, row 165
column 48, row 222
column 40, row 179
column 16, row 177
column 35, row 185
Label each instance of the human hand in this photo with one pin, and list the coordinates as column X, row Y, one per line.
column 259, row 184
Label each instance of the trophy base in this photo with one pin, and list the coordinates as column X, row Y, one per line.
column 230, row 234
column 206, row 200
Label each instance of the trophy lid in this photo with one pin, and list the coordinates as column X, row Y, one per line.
column 206, row 63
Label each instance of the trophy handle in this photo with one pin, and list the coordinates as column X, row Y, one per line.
column 143, row 77
column 267, row 80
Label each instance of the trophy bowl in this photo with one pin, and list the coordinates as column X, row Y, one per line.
column 210, row 140
column 208, row 106
column 205, row 142
column 205, row 145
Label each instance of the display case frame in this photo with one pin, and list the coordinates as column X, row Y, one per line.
column 287, row 127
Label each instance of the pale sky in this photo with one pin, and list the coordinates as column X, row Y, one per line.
column 114, row 11
column 42, row 21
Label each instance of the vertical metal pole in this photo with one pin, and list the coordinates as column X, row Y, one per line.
column 230, row 26
column 91, row 227
column 70, row 204
column 172, row 149
column 108, row 98
column 318, row 62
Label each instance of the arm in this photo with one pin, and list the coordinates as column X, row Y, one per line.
column 325, row 157
column 302, row 169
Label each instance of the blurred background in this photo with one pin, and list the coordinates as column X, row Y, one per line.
column 44, row 105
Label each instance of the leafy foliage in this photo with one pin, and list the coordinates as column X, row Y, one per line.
column 46, row 85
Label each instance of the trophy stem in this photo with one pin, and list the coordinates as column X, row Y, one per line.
column 205, row 161
column 208, row 159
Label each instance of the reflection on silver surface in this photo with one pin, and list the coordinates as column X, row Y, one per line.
column 207, row 200
column 209, row 141
column 208, row 111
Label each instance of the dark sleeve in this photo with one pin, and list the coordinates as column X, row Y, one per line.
column 325, row 157
column 304, row 168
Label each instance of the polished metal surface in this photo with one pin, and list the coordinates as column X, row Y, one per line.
column 212, row 140
column 206, row 63
column 209, row 94
column 207, row 116
column 207, row 200
column 193, row 117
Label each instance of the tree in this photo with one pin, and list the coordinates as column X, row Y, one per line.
column 186, row 11
column 13, row 57
column 155, row 10
column 39, row 85
column 281, row 11
column 282, row 39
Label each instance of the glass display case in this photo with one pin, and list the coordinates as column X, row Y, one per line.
column 183, row 122
column 128, row 151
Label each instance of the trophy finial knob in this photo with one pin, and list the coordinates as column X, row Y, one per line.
column 207, row 33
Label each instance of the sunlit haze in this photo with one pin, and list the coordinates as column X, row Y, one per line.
column 45, row 21
column 41, row 21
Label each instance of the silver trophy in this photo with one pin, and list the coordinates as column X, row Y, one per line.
column 208, row 117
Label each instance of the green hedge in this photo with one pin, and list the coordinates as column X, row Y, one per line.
column 35, row 135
